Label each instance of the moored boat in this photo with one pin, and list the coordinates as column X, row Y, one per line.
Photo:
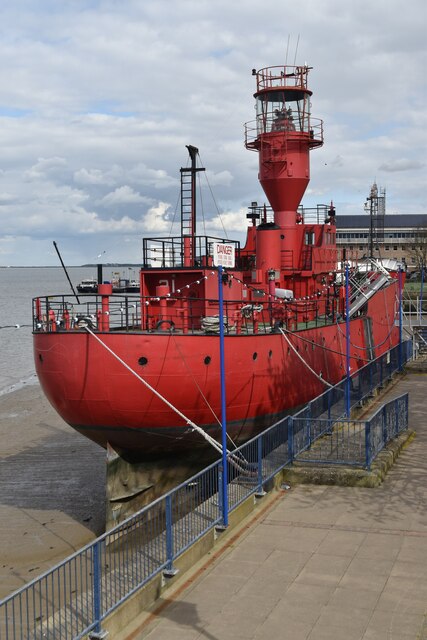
column 137, row 371
column 132, row 286
column 88, row 285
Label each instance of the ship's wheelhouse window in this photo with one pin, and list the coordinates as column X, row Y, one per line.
column 309, row 238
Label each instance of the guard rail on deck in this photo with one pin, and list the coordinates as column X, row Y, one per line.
column 71, row 600
column 181, row 315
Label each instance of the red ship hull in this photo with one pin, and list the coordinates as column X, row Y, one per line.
column 265, row 379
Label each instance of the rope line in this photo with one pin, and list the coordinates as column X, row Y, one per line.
column 322, row 346
column 235, row 461
column 194, row 426
column 325, row 382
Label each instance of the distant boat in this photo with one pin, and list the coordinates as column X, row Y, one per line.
column 88, row 285
column 119, row 284
column 132, row 286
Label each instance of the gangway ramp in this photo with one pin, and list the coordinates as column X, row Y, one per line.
column 366, row 289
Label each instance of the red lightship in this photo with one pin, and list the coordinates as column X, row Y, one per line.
column 137, row 370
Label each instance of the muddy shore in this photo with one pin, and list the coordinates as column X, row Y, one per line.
column 52, row 488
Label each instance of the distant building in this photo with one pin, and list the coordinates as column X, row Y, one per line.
column 404, row 237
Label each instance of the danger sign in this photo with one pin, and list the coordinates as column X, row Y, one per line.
column 224, row 255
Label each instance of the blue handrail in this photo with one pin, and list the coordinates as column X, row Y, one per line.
column 73, row 598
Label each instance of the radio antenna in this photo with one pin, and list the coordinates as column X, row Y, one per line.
column 296, row 50
column 287, row 49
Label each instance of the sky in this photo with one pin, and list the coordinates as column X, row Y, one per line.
column 98, row 100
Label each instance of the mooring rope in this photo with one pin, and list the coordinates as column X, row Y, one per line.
column 192, row 424
column 325, row 382
column 230, row 456
column 199, row 389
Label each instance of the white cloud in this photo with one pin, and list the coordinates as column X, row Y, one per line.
column 89, row 176
column 156, row 218
column 122, row 195
column 402, row 164
column 230, row 220
column 6, row 198
column 98, row 101
column 45, row 167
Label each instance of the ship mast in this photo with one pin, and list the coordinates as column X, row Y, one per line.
column 375, row 206
column 188, row 208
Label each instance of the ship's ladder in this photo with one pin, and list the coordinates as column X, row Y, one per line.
column 186, row 202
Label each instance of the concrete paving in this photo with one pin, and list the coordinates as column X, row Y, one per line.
column 323, row 563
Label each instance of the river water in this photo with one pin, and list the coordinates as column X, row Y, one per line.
column 18, row 285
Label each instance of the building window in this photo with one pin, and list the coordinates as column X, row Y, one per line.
column 394, row 248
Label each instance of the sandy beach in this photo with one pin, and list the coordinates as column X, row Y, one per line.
column 52, row 488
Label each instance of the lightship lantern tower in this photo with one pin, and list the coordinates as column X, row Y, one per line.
column 283, row 135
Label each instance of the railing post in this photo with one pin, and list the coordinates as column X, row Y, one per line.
column 406, row 411
column 97, row 633
column 400, row 320
column 127, row 313
column 224, row 483
column 347, row 342
column 170, row 571
column 396, row 411
column 223, row 508
column 260, row 491
column 291, row 438
column 308, row 426
column 368, row 453
column 384, row 424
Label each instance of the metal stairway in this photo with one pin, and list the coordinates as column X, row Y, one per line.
column 363, row 290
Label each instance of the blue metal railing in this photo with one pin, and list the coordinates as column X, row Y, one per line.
column 72, row 598
column 349, row 442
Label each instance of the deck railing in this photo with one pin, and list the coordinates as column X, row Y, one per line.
column 71, row 599
column 169, row 314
